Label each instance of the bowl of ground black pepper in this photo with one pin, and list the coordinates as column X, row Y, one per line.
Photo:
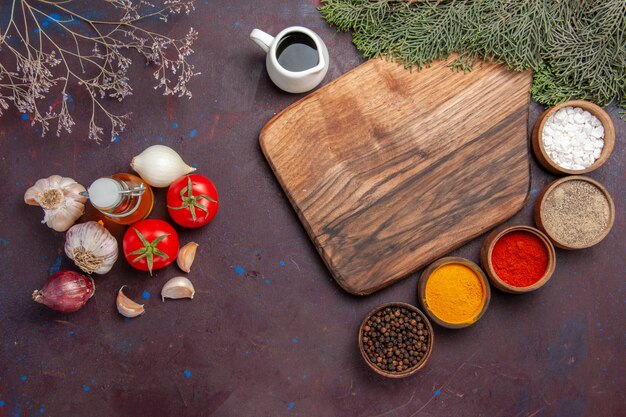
column 396, row 340
column 575, row 212
column 518, row 258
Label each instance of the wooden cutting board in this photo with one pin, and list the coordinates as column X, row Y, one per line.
column 390, row 169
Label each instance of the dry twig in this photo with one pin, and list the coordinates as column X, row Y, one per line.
column 36, row 66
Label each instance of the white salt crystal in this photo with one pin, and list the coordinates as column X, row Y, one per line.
column 598, row 132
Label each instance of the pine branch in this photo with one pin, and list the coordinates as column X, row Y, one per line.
column 577, row 49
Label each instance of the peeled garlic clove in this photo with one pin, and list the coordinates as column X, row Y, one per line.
column 60, row 199
column 160, row 165
column 127, row 307
column 186, row 255
column 179, row 287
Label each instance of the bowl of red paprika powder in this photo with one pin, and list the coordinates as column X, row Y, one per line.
column 518, row 259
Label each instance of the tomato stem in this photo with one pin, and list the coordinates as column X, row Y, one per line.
column 191, row 202
column 149, row 249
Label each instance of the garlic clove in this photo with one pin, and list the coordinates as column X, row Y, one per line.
column 64, row 217
column 127, row 307
column 186, row 256
column 56, row 181
column 59, row 222
column 74, row 191
column 178, row 287
column 160, row 165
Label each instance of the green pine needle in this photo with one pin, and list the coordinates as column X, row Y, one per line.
column 576, row 48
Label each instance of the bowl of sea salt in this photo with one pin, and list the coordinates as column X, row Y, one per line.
column 574, row 137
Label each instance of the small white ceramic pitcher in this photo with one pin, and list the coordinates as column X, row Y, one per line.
column 297, row 73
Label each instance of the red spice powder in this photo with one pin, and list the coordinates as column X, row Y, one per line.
column 519, row 258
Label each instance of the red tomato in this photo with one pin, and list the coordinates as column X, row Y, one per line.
column 192, row 200
column 150, row 244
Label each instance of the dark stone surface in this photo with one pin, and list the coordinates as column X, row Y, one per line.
column 269, row 333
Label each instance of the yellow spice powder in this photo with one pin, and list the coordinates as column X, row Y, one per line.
column 455, row 294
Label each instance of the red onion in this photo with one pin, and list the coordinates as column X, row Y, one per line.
column 65, row 291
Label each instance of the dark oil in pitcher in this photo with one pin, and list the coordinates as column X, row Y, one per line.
column 297, row 52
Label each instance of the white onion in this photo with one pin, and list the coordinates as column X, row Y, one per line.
column 160, row 166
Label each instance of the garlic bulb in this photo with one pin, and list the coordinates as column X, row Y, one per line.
column 92, row 248
column 127, row 307
column 160, row 165
column 60, row 199
column 186, row 255
column 179, row 287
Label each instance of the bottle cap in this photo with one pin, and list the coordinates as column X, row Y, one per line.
column 104, row 193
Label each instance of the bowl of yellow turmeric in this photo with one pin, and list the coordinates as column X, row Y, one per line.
column 454, row 292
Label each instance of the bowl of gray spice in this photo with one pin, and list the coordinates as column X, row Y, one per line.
column 575, row 212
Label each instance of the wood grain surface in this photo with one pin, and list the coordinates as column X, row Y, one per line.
column 390, row 169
